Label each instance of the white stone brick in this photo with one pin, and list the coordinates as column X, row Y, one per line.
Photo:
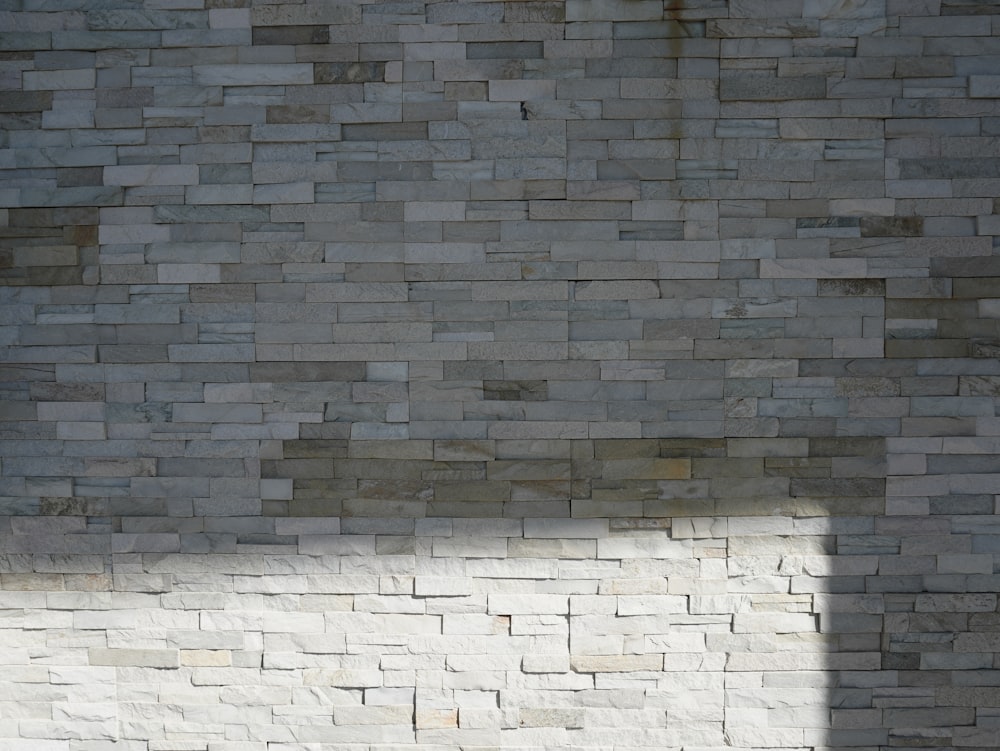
column 776, row 623
column 326, row 544
column 499, row 604
column 651, row 604
column 160, row 658
column 616, row 663
column 391, row 623
column 699, row 527
column 640, row 547
column 293, row 622
column 486, row 551
column 545, row 663
column 346, row 677
column 475, row 624
column 565, row 528
column 439, row 586
column 746, row 526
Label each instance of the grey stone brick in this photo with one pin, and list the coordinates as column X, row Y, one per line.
column 766, row 88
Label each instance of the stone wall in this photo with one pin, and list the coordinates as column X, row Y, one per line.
column 598, row 374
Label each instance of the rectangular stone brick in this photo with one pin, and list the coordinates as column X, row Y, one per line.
column 615, row 663
column 154, row 658
column 181, row 174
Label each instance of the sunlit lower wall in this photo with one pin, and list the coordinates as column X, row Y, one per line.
column 448, row 633
column 605, row 373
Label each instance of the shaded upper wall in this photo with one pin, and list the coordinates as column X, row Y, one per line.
column 461, row 258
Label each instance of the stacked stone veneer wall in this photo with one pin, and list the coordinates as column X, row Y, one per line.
column 599, row 374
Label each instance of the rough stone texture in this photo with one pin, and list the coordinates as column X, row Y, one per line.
column 599, row 374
